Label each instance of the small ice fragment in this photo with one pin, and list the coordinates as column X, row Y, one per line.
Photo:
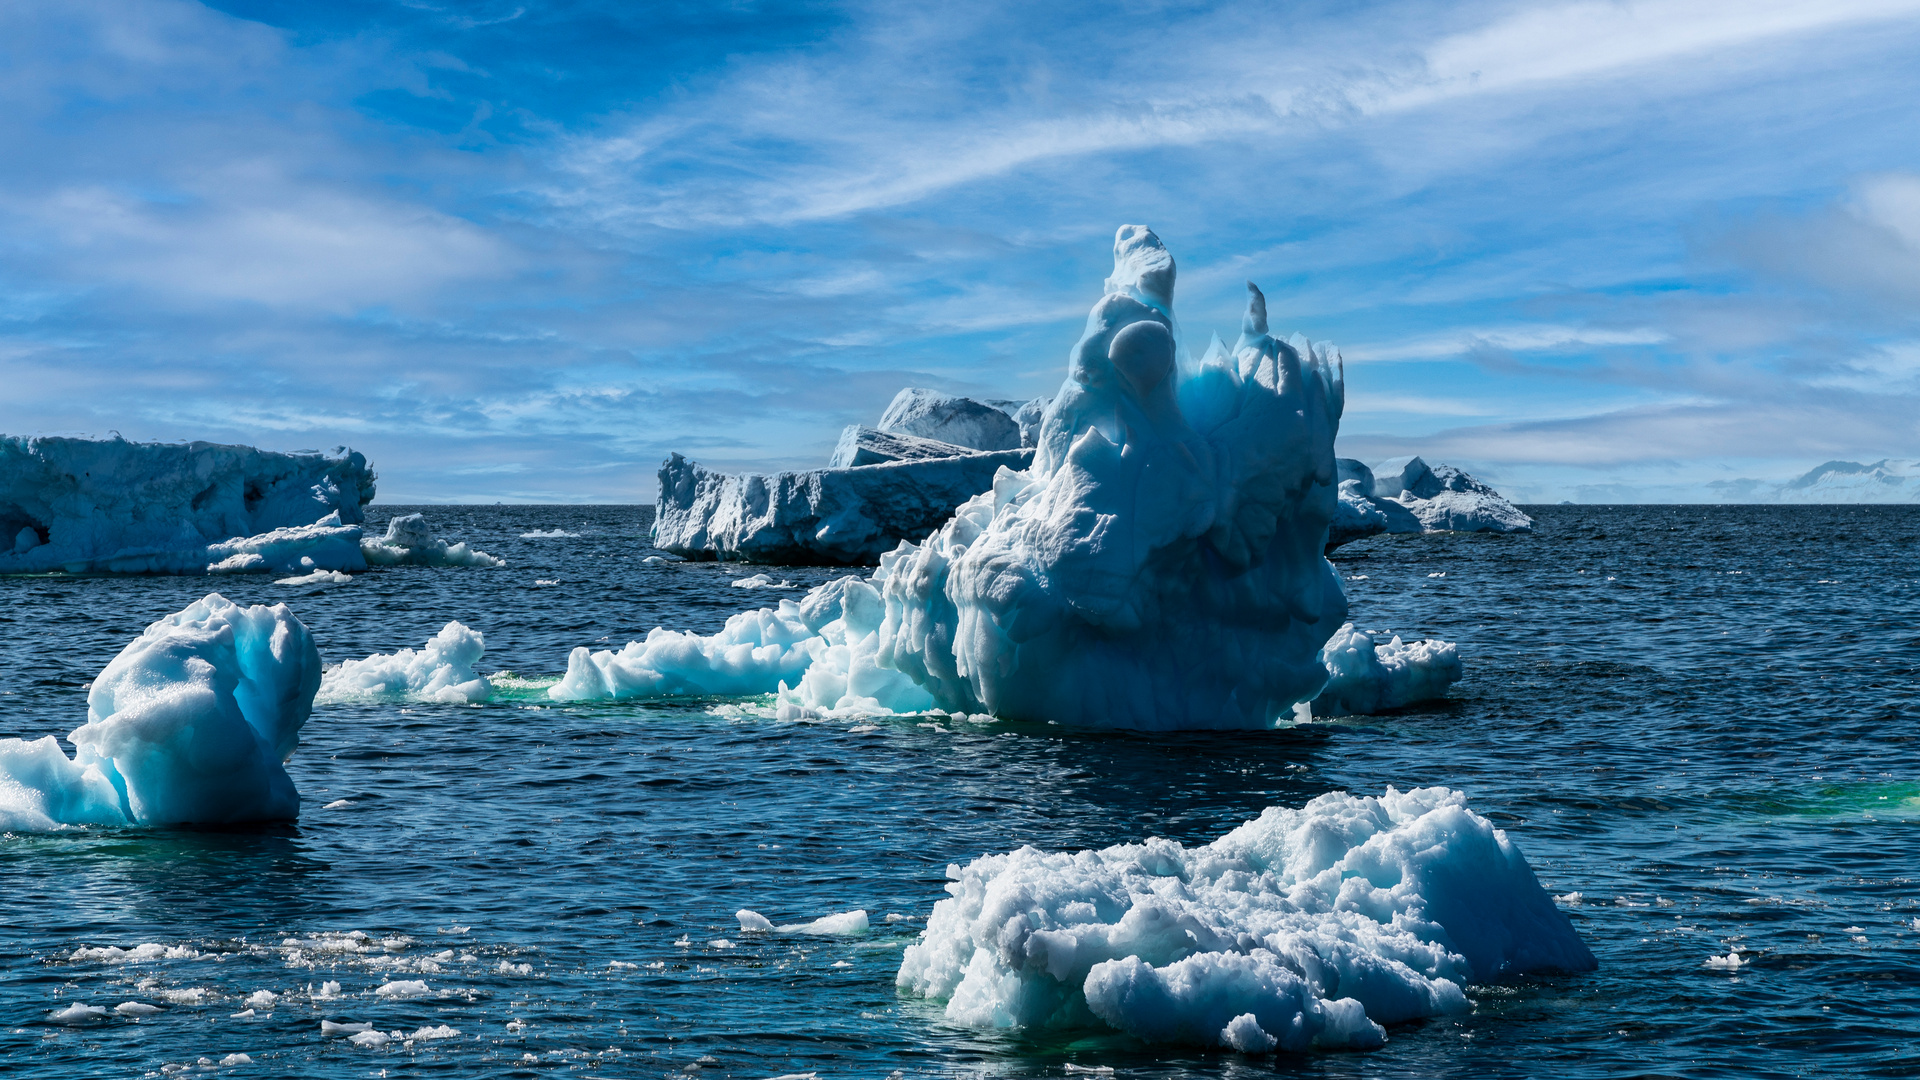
column 236, row 1059
column 721, row 943
column 136, row 1008
column 545, row 581
column 1854, row 930
column 622, row 965
column 191, row 996
column 78, row 1013
column 440, row 1032
column 263, row 999
column 1244, row 1033
column 844, row 924
column 318, row 577
column 894, row 916
column 370, row 1038
column 338, row 804
column 328, row 1027
column 753, row 921
column 515, row 1027
column 1089, row 1070
column 402, row 988
column 328, row 989
column 455, row 929
column 762, row 581
column 548, row 534
column 1728, row 962
column 244, row 1014
column 1442, row 573
column 842, row 963
column 510, row 968
column 1570, row 898
column 683, row 940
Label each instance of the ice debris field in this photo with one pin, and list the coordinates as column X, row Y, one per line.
column 1156, row 563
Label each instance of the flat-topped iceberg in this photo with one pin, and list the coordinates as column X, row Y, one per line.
column 1158, row 566
column 113, row 506
column 832, row 517
column 1309, row 928
column 190, row 724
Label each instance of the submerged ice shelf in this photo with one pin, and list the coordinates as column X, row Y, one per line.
column 1307, row 928
column 1158, row 565
column 190, row 724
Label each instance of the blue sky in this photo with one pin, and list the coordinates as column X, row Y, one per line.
column 520, row 251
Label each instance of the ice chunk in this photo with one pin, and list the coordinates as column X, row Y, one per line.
column 317, row 577
column 410, row 541
column 845, row 924
column 328, row 1027
column 960, row 421
column 1370, row 677
column 77, row 1013
column 299, row 549
column 832, row 517
column 402, row 988
column 754, row 653
column 762, row 581
column 1302, row 928
column 137, row 1008
column 443, row 671
column 113, row 506
column 189, row 724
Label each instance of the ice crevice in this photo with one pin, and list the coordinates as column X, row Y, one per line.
column 1301, row 929
column 1160, row 565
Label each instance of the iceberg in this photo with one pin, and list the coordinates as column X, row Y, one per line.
column 1365, row 676
column 1158, row 566
column 831, row 517
column 1406, row 495
column 189, row 724
column 1308, row 928
column 410, row 541
column 870, row 446
column 929, row 414
column 113, row 506
column 442, row 672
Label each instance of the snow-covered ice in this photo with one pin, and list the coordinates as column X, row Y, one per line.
column 1303, row 928
column 930, row 414
column 410, row 541
column 189, row 724
column 762, row 581
column 1889, row 480
column 754, row 653
column 442, row 671
column 860, row 445
column 1366, row 676
column 113, row 506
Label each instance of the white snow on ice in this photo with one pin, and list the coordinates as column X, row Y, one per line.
column 1366, row 676
column 410, row 541
column 1303, row 928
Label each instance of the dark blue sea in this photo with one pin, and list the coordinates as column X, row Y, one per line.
column 1705, row 721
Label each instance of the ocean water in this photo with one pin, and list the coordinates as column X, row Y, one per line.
column 1704, row 721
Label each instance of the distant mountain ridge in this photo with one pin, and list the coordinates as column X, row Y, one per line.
column 1889, row 480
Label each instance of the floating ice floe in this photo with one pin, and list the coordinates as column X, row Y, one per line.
column 113, row 506
column 1159, row 566
column 1303, row 928
column 442, row 671
column 845, row 924
column 1365, row 676
column 410, row 541
column 317, row 577
column 762, row 581
column 548, row 534
column 189, row 724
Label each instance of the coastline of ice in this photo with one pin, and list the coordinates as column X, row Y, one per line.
column 189, row 724
column 442, row 672
column 1300, row 929
column 1159, row 566
column 113, row 506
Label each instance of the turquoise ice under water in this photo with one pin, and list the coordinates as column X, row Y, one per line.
column 1700, row 720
